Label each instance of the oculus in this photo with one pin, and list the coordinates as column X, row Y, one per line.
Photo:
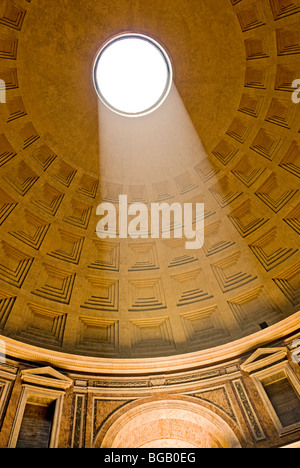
column 132, row 74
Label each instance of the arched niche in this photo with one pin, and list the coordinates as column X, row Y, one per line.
column 167, row 423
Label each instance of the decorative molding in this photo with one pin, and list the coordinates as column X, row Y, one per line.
column 21, row 178
column 7, row 302
column 281, row 112
column 110, row 192
column 229, row 273
column 224, row 152
column 248, row 170
column 107, row 256
column 239, row 130
column 78, row 214
column 10, row 77
column 251, row 105
column 44, row 156
column 48, row 199
column 65, row 174
column 226, row 191
column 7, row 205
column 152, row 336
column 43, row 325
column 253, row 308
column 263, row 358
column 206, row 169
column 71, row 246
column 88, row 186
column 177, row 254
column 293, row 219
column 251, row 16
column 214, row 239
column 269, row 251
column 103, row 294
column 12, row 15
column 162, row 191
column 256, row 77
column 46, row 377
column 257, row 47
column 274, row 193
column 288, row 283
column 14, row 265
column 203, row 327
column 249, row 411
column 8, row 47
column 185, row 183
column 266, row 144
column 178, row 363
column 218, row 397
column 285, row 77
column 78, row 425
column 291, row 160
column 187, row 287
column 98, row 336
column 15, row 108
column 146, row 294
column 283, row 8
column 28, row 135
column 6, row 151
column 32, row 231
column 288, row 40
column 137, row 194
column 58, row 284
column 143, row 257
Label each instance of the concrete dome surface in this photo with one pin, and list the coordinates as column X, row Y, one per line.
column 236, row 131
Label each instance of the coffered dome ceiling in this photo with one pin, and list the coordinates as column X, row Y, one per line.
column 63, row 288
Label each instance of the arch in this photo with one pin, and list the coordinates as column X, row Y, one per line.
column 166, row 423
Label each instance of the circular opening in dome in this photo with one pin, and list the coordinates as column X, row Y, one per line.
column 132, row 75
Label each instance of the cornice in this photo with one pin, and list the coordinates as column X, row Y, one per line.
column 179, row 363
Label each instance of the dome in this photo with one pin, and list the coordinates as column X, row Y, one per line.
column 227, row 136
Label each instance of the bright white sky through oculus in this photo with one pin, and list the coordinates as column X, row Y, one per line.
column 132, row 75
